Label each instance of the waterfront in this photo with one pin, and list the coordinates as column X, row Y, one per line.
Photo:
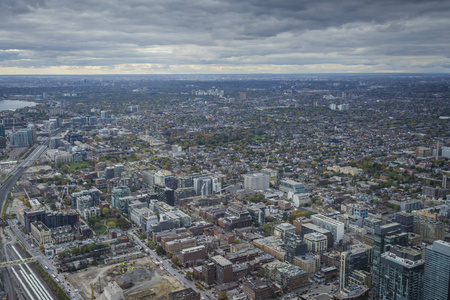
column 14, row 104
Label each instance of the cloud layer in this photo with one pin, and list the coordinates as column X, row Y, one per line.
column 216, row 36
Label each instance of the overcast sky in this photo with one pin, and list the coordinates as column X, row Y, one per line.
column 235, row 36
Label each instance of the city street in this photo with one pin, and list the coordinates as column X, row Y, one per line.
column 44, row 261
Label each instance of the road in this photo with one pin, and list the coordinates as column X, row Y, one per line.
column 44, row 261
column 168, row 266
column 7, row 186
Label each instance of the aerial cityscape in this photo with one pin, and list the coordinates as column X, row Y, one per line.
column 225, row 187
column 230, row 150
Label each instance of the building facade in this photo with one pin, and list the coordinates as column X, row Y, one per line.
column 437, row 271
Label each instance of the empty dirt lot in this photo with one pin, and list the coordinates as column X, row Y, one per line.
column 145, row 281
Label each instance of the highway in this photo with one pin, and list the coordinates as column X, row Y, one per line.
column 7, row 186
column 23, row 274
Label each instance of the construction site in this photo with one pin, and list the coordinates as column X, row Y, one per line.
column 138, row 279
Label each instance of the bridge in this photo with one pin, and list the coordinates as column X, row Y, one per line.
column 17, row 262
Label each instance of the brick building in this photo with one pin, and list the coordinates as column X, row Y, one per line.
column 256, row 289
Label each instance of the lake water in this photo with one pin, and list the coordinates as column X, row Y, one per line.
column 14, row 104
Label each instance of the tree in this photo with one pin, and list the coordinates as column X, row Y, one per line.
column 222, row 295
column 115, row 212
column 105, row 212
column 175, row 261
column 151, row 244
column 160, row 250
column 188, row 276
column 111, row 224
column 93, row 219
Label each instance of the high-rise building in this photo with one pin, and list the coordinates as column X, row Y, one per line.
column 118, row 193
column 428, row 225
column 292, row 186
column 356, row 259
column 24, row 137
column 282, row 229
column 118, row 170
column 224, row 269
column 104, row 114
column 298, row 224
column 93, row 193
column 310, row 227
column 93, row 120
column 335, row 227
column 383, row 235
column 294, row 246
column 406, row 220
column 316, row 242
column 257, row 181
column 273, row 174
column 165, row 194
column 360, row 211
column 236, row 216
column 2, row 136
column 401, row 274
column 437, row 271
column 209, row 272
column 258, row 213
column 50, row 219
column 165, row 178
column 343, row 107
column 203, row 186
column 148, row 178
column 79, row 121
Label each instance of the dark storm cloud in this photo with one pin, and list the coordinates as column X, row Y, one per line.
column 403, row 35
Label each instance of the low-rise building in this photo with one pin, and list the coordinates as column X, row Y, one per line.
column 291, row 277
column 178, row 245
column 282, row 229
column 256, row 289
column 309, row 262
column 192, row 255
column 316, row 242
column 41, row 234
column 272, row 246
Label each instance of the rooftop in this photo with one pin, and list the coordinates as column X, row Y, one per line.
column 441, row 247
column 327, row 219
column 222, row 261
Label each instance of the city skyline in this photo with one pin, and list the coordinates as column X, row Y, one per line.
column 209, row 37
